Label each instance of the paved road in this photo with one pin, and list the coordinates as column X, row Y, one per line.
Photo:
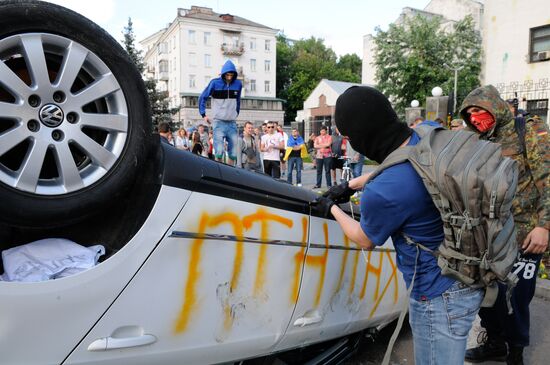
column 538, row 353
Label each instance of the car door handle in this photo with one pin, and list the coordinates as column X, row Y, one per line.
column 309, row 318
column 110, row 343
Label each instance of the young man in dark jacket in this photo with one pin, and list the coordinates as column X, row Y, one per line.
column 486, row 113
column 396, row 204
column 226, row 105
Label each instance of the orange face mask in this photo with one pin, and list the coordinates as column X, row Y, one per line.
column 482, row 121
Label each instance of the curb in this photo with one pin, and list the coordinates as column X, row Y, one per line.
column 542, row 290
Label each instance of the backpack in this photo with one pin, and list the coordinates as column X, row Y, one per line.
column 472, row 186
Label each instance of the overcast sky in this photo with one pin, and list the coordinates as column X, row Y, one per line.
column 341, row 24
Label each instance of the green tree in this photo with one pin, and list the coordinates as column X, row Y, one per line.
column 350, row 65
column 413, row 57
column 302, row 64
column 160, row 107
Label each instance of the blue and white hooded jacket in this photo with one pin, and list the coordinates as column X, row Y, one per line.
column 226, row 98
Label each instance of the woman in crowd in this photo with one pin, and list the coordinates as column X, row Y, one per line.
column 182, row 140
column 197, row 145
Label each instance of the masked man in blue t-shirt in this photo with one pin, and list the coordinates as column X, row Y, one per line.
column 396, row 204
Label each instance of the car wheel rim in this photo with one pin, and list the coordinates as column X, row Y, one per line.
column 63, row 115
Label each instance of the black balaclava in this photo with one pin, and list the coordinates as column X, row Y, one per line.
column 365, row 115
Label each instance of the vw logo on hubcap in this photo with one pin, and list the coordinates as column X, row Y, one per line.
column 51, row 115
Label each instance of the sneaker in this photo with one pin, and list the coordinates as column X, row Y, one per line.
column 490, row 349
column 515, row 356
column 317, row 187
column 298, row 184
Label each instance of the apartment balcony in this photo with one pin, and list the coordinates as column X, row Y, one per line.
column 164, row 76
column 232, row 49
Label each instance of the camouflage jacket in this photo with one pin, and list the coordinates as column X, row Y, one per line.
column 531, row 206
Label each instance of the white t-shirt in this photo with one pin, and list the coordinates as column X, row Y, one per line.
column 271, row 141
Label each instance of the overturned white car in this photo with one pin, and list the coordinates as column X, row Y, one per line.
column 205, row 263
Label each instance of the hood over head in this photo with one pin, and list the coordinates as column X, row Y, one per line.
column 366, row 117
column 228, row 66
column 488, row 98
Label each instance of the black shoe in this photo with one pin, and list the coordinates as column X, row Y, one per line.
column 317, row 187
column 515, row 356
column 492, row 349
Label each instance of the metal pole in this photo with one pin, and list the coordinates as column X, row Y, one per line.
column 454, row 98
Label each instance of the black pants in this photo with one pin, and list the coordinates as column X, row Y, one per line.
column 324, row 163
column 514, row 328
column 272, row 168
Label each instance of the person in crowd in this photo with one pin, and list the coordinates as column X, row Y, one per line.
column 295, row 151
column 271, row 145
column 197, row 146
column 311, row 149
column 226, row 103
column 210, row 145
column 323, row 156
column 396, row 204
column 416, row 122
column 204, row 137
column 485, row 112
column 338, row 147
column 441, row 122
column 280, row 130
column 182, row 140
column 457, row 124
column 165, row 133
column 250, row 157
column 356, row 161
column 264, row 128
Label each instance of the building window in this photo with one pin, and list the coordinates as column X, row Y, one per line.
column 267, row 45
column 252, row 64
column 540, row 44
column 252, row 85
column 206, row 38
column 163, row 66
column 252, row 43
column 267, row 86
column 207, row 60
column 191, row 36
column 192, row 59
column 267, row 65
column 162, row 48
column 192, row 81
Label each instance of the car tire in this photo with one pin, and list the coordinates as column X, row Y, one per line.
column 75, row 121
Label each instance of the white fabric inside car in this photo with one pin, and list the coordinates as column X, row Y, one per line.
column 50, row 258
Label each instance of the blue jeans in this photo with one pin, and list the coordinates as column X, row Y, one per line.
column 440, row 325
column 225, row 130
column 357, row 167
column 292, row 161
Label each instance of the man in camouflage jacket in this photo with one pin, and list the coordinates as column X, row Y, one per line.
column 487, row 114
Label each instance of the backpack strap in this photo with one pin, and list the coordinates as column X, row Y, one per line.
column 398, row 156
column 519, row 126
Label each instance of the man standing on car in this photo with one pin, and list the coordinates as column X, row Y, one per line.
column 486, row 113
column 396, row 204
column 226, row 104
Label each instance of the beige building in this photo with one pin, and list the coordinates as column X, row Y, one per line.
column 516, row 45
column 191, row 50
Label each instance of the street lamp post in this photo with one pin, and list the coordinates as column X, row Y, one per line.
column 455, row 69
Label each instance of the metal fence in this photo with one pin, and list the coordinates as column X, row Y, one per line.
column 533, row 96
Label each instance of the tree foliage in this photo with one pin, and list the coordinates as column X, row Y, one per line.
column 302, row 64
column 160, row 107
column 413, row 57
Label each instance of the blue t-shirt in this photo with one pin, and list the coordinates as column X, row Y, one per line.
column 397, row 202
